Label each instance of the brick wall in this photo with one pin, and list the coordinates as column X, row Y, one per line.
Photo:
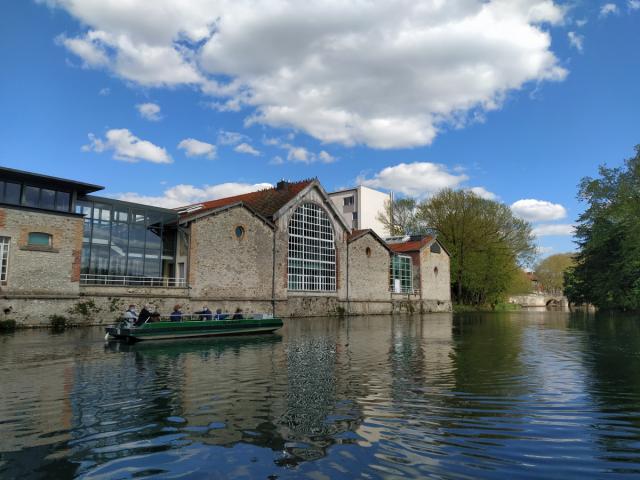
column 368, row 274
column 38, row 270
column 224, row 266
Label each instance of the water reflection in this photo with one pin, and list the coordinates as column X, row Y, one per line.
column 536, row 394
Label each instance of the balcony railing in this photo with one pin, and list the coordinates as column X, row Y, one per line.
column 131, row 281
column 405, row 291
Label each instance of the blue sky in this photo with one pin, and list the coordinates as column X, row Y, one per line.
column 171, row 104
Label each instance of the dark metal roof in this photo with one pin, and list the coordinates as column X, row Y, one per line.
column 39, row 180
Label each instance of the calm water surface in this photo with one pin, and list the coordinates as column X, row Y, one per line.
column 522, row 395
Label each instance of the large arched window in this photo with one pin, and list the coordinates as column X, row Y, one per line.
column 312, row 252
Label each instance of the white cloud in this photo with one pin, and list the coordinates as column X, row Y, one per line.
column 538, row 210
column 633, row 4
column 127, row 147
column 576, row 41
column 483, row 193
column 558, row 229
column 231, row 138
column 277, row 160
column 92, row 54
column 582, row 22
column 297, row 154
column 419, row 179
column 104, row 92
column 182, row 195
column 384, row 74
column 196, row 148
column 150, row 111
column 609, row 9
column 248, row 149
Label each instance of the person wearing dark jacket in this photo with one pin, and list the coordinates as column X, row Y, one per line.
column 144, row 316
column 238, row 315
column 205, row 313
column 176, row 315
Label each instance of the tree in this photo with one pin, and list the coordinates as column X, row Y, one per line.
column 607, row 270
column 551, row 270
column 488, row 244
column 399, row 217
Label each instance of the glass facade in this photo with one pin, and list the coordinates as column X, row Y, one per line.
column 15, row 193
column 126, row 239
column 401, row 274
column 312, row 252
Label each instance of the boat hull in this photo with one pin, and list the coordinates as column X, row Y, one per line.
column 194, row 329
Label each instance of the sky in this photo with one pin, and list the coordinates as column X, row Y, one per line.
column 171, row 103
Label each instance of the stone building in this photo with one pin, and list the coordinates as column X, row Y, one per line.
column 286, row 250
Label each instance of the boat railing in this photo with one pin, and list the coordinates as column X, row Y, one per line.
column 131, row 281
column 198, row 317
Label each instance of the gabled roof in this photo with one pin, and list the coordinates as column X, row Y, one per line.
column 356, row 234
column 263, row 202
column 411, row 245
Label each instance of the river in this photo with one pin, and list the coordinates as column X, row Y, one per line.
column 512, row 395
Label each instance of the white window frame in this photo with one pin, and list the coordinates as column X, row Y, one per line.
column 4, row 258
column 311, row 250
column 403, row 274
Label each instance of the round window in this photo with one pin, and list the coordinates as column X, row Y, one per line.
column 239, row 231
column 368, row 252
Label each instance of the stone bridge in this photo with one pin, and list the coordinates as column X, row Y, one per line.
column 540, row 300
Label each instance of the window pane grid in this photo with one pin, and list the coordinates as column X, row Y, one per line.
column 4, row 258
column 312, row 254
column 401, row 274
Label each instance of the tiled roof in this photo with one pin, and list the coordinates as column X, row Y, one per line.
column 264, row 202
column 410, row 246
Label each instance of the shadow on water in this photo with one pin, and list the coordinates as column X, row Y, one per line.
column 525, row 395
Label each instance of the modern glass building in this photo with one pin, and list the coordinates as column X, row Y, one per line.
column 123, row 239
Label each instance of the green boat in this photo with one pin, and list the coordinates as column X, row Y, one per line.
column 192, row 327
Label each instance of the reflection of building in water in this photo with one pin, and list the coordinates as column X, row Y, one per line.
column 35, row 409
column 417, row 352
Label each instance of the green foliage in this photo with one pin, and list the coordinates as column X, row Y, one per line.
column 86, row 309
column 7, row 325
column 607, row 270
column 58, row 322
column 487, row 243
column 551, row 272
column 520, row 283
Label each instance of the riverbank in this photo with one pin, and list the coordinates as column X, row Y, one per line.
column 500, row 307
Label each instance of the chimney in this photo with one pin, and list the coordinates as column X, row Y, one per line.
column 282, row 185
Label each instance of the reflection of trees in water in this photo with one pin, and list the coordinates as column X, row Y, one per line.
column 613, row 345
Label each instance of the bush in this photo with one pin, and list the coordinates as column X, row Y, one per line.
column 7, row 325
column 58, row 322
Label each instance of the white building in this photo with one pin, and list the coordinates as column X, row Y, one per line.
column 361, row 206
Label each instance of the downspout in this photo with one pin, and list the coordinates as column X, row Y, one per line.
column 348, row 299
column 273, row 275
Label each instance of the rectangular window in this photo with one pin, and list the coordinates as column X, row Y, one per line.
column 47, row 199
column 4, row 258
column 62, row 201
column 348, row 201
column 401, row 274
column 12, row 193
column 30, row 196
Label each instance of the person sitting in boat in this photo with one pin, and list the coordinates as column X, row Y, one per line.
column 205, row 313
column 238, row 315
column 176, row 315
column 131, row 316
column 155, row 317
column 145, row 314
column 220, row 315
